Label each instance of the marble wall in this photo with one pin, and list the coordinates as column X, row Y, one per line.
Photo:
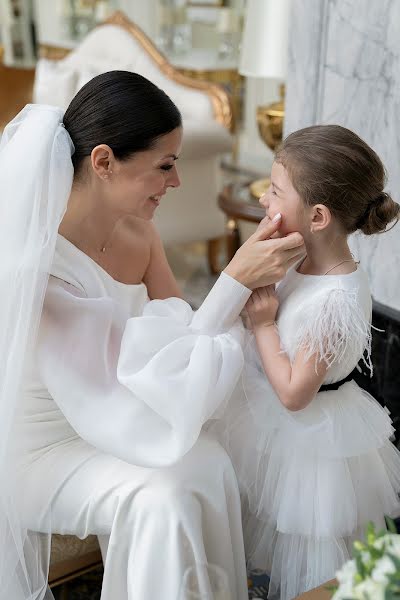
column 344, row 67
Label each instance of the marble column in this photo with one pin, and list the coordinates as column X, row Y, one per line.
column 344, row 67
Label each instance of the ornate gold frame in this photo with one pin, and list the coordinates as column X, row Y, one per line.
column 220, row 99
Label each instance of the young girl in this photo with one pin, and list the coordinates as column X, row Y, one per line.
column 311, row 449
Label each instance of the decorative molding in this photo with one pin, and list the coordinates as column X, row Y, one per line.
column 53, row 52
column 220, row 99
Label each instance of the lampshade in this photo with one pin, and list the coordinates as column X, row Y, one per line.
column 265, row 39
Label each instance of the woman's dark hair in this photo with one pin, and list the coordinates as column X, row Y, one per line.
column 331, row 165
column 121, row 109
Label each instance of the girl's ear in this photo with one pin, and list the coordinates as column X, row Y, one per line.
column 321, row 217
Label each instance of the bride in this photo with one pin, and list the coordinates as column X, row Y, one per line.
column 107, row 375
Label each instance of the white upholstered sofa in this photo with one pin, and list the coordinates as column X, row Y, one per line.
column 189, row 213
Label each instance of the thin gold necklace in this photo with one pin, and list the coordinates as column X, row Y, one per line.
column 106, row 245
column 341, row 263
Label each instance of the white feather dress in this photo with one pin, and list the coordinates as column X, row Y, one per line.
column 312, row 479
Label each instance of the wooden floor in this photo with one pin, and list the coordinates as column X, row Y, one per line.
column 16, row 87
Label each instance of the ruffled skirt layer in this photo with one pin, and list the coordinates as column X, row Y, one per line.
column 310, row 480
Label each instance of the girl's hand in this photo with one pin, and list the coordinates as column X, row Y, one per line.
column 262, row 307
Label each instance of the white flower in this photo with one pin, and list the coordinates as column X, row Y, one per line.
column 380, row 542
column 390, row 540
column 365, row 557
column 374, row 586
column 347, row 572
column 383, row 567
column 369, row 589
column 394, row 544
column 345, row 578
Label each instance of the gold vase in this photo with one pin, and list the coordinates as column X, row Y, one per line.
column 270, row 126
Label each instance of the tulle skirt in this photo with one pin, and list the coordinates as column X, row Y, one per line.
column 310, row 480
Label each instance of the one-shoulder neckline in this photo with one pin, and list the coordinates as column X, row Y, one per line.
column 72, row 246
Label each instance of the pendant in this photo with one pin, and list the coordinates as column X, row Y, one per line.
column 103, row 249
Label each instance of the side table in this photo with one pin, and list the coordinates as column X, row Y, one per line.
column 237, row 203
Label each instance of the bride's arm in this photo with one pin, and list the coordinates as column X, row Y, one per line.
column 159, row 278
column 140, row 389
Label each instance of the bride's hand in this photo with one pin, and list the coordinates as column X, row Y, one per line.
column 262, row 260
column 264, row 223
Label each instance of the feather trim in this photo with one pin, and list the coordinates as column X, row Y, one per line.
column 335, row 328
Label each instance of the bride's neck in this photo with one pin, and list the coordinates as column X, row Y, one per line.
column 87, row 223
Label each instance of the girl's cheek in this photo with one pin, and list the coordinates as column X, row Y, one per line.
column 290, row 223
column 285, row 226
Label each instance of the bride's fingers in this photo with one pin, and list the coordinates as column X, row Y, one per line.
column 262, row 224
column 291, row 253
column 250, row 302
column 292, row 261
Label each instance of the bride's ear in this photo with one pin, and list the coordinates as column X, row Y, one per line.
column 321, row 217
column 102, row 160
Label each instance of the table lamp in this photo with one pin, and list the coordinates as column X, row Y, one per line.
column 264, row 54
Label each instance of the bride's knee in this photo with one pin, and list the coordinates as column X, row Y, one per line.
column 165, row 503
column 205, row 471
column 209, row 454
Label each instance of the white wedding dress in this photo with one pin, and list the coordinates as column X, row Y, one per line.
column 110, row 434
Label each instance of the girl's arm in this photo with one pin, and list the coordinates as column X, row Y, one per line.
column 296, row 385
column 159, row 279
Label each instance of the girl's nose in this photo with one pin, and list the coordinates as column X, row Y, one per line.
column 264, row 200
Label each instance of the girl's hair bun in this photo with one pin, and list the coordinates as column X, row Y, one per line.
column 380, row 212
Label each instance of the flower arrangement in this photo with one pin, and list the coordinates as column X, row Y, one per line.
column 374, row 571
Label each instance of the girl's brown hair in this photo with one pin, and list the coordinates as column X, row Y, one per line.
column 331, row 165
